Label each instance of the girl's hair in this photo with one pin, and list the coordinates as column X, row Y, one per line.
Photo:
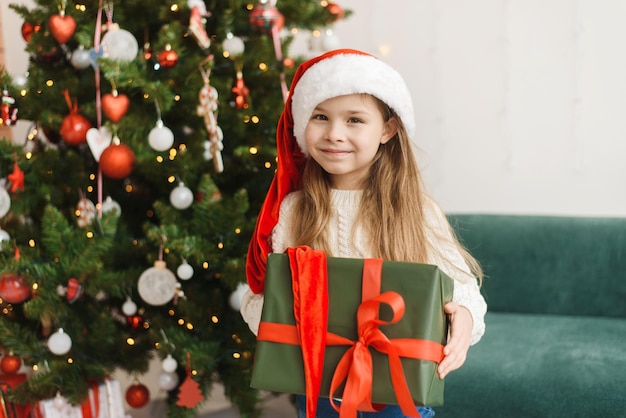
column 391, row 207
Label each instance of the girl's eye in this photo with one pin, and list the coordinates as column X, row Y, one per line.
column 354, row 120
column 319, row 116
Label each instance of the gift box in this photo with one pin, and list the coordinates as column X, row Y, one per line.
column 9, row 409
column 105, row 401
column 415, row 334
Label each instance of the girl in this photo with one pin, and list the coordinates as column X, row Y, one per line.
column 347, row 182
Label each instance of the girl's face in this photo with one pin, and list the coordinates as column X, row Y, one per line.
column 343, row 136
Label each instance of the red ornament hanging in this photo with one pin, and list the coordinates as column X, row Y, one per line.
column 16, row 178
column 265, row 17
column 241, row 92
column 28, row 29
column 62, row 27
column 189, row 393
column 117, row 160
column 134, row 321
column 74, row 290
column 14, row 288
column 336, row 10
column 137, row 395
column 10, row 364
column 115, row 105
column 74, row 126
column 168, row 58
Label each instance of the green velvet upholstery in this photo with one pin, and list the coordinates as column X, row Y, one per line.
column 555, row 344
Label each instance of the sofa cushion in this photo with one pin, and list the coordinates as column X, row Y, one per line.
column 549, row 264
column 541, row 366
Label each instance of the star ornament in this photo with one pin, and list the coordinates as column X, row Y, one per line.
column 16, row 178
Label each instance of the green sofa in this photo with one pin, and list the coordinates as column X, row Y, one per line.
column 555, row 344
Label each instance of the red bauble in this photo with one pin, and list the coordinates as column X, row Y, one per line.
column 62, row 28
column 13, row 288
column 28, row 29
column 265, row 17
column 74, row 128
column 10, row 364
column 134, row 321
column 115, row 106
column 337, row 11
column 117, row 161
column 137, row 395
column 168, row 58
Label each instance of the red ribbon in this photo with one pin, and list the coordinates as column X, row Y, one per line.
column 355, row 367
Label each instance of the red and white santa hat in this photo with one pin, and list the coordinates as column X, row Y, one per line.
column 335, row 73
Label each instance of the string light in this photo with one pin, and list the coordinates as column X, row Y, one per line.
column 130, row 341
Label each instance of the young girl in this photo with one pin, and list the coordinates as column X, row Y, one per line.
column 347, row 182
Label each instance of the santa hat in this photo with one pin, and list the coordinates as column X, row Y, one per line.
column 335, row 73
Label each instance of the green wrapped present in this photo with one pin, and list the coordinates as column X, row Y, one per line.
column 395, row 320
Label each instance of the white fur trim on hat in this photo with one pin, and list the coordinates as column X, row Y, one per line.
column 344, row 74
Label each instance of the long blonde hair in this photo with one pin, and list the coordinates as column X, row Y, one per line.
column 391, row 207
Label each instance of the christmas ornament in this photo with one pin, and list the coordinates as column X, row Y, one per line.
column 81, row 58
column 110, row 205
column 196, row 27
column 168, row 58
column 169, row 364
column 265, row 17
column 4, row 236
column 98, row 140
column 189, row 394
column 207, row 108
column 28, row 29
column 235, row 298
column 85, row 212
column 115, row 105
column 234, row 45
column 20, row 81
column 181, row 197
column 5, row 202
column 14, row 288
column 241, row 92
column 10, row 364
column 134, row 321
column 74, row 126
column 137, row 395
column 160, row 138
column 59, row 343
column 336, row 11
column 16, row 178
column 184, row 271
column 119, row 44
column 8, row 109
column 157, row 285
column 60, row 402
column 62, row 27
column 129, row 307
column 74, row 290
column 168, row 381
column 117, row 160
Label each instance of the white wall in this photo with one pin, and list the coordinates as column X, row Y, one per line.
column 520, row 104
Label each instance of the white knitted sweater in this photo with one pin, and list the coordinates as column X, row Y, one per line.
column 345, row 209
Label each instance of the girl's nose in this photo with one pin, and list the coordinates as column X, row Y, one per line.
column 335, row 132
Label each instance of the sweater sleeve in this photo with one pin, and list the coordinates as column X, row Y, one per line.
column 448, row 258
column 252, row 304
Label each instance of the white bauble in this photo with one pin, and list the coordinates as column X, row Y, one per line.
column 5, row 202
column 184, row 271
column 60, row 343
column 181, row 197
column 110, row 205
column 81, row 58
column 119, row 44
column 169, row 364
column 161, row 138
column 20, row 81
column 233, row 45
column 59, row 402
column 129, row 307
column 4, row 235
column 235, row 298
column 157, row 285
column 168, row 381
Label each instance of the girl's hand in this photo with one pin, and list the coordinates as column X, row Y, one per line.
column 455, row 352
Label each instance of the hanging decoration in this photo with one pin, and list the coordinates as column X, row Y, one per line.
column 189, row 394
column 197, row 22
column 168, row 58
column 118, row 44
column 85, row 212
column 117, row 160
column 207, row 109
column 10, row 364
column 14, row 288
column 62, row 26
column 8, row 109
column 81, row 58
column 115, row 105
column 28, row 28
column 74, row 126
column 5, row 201
column 181, row 197
column 110, row 205
column 157, row 285
column 16, row 177
column 241, row 91
column 60, row 343
column 160, row 138
column 137, row 395
column 129, row 308
column 184, row 270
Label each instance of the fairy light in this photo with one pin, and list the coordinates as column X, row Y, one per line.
column 49, row 83
column 268, row 164
column 35, row 367
column 189, row 326
column 159, row 159
column 254, row 150
column 31, row 243
column 237, row 231
column 29, row 155
column 89, row 234
column 236, row 356
column 205, row 265
column 171, row 312
column 89, row 189
column 130, row 341
column 181, row 322
column 128, row 188
column 70, row 360
column 215, row 319
column 220, row 245
column 263, row 66
column 255, row 119
column 171, row 179
column 177, row 98
column 174, row 7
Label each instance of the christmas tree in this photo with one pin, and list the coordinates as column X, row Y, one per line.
column 126, row 214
